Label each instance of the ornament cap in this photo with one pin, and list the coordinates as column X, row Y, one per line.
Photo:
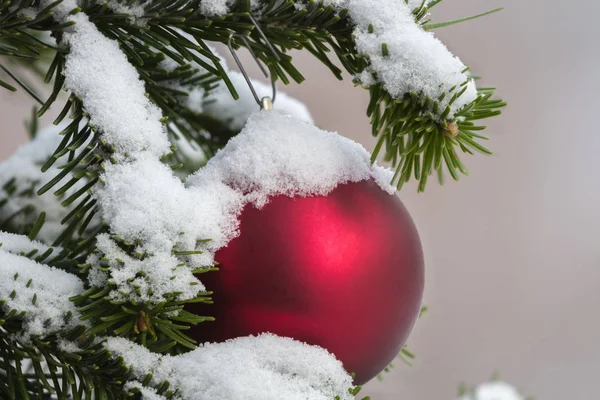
column 266, row 103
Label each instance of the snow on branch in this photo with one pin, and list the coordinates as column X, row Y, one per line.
column 98, row 72
column 140, row 198
column 264, row 367
column 39, row 292
column 405, row 57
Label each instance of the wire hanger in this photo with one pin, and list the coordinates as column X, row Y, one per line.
column 265, row 103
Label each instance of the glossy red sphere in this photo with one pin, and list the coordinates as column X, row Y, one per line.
column 342, row 271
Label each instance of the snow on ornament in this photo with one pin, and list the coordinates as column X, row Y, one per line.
column 326, row 253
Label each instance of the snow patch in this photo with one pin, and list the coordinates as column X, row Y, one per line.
column 278, row 154
column 41, row 292
column 494, row 390
column 17, row 244
column 98, row 72
column 215, row 8
column 264, row 367
column 416, row 61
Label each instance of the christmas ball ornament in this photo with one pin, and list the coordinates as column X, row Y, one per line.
column 343, row 271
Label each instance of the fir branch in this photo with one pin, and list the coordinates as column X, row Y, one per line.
column 414, row 129
column 407, row 126
column 89, row 372
column 159, row 327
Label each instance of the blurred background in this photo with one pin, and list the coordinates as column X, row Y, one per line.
column 512, row 251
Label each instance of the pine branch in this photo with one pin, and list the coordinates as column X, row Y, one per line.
column 159, row 327
column 89, row 372
column 46, row 349
column 419, row 137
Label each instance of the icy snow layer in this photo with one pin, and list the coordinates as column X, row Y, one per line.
column 264, row 367
column 494, row 390
column 41, row 292
column 416, row 61
column 24, row 166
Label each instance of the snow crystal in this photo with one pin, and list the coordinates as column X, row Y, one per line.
column 192, row 155
column 220, row 103
column 278, row 154
column 221, row 7
column 215, row 7
column 98, row 72
column 62, row 10
column 494, row 390
column 195, row 94
column 45, row 299
column 68, row 346
column 412, row 4
column 147, row 280
column 135, row 10
column 264, row 367
column 24, row 167
column 17, row 244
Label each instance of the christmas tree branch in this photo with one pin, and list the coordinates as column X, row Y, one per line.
column 133, row 232
column 38, row 328
column 82, row 372
column 46, row 344
column 170, row 54
column 420, row 134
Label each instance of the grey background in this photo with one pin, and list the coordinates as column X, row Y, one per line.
column 512, row 255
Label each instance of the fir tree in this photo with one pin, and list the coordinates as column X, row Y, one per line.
column 93, row 290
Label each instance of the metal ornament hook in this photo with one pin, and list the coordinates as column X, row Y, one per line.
column 266, row 103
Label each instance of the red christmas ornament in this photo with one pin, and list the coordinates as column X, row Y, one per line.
column 342, row 271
